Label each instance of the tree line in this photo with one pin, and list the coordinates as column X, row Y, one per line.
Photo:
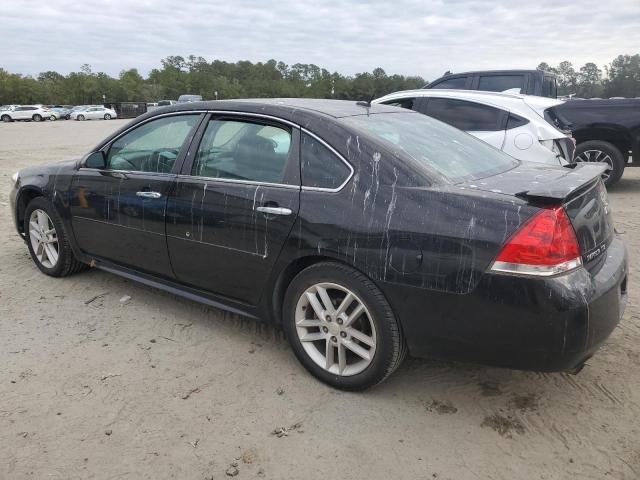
column 194, row 75
column 244, row 79
column 620, row 78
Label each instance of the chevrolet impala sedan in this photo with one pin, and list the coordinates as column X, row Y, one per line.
column 364, row 231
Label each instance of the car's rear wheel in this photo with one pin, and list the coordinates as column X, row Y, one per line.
column 107, row 116
column 5, row 118
column 53, row 118
column 67, row 117
column 341, row 327
column 47, row 240
column 605, row 152
column 37, row 117
column 80, row 117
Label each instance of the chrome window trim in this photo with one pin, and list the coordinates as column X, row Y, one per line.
column 226, row 180
column 128, row 172
column 235, row 180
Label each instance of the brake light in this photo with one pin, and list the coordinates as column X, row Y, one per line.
column 545, row 245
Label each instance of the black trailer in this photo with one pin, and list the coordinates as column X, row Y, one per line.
column 128, row 109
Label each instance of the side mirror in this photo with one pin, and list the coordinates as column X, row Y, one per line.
column 96, row 160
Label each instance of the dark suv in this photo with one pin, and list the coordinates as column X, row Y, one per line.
column 529, row 82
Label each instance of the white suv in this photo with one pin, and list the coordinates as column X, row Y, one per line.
column 25, row 112
column 510, row 122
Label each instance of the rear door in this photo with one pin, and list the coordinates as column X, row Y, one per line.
column 118, row 213
column 482, row 121
column 234, row 205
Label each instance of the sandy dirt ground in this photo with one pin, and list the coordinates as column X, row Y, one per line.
column 161, row 387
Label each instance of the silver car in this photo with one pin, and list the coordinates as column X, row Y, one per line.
column 94, row 113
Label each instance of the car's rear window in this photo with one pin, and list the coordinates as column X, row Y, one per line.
column 453, row 153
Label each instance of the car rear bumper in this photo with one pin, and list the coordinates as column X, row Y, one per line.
column 550, row 324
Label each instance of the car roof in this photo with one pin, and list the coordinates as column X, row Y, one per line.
column 294, row 109
column 499, row 99
column 496, row 72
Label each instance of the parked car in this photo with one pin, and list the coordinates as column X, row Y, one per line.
column 365, row 231
column 165, row 103
column 605, row 130
column 94, row 113
column 527, row 82
column 60, row 113
column 35, row 113
column 512, row 123
column 189, row 98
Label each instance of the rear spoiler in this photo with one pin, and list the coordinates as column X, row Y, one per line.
column 578, row 176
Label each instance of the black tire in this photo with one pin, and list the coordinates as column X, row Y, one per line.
column 37, row 117
column 80, row 118
column 608, row 149
column 53, row 118
column 67, row 263
column 390, row 346
column 107, row 116
column 5, row 118
column 67, row 117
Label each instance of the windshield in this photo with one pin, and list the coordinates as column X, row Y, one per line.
column 453, row 153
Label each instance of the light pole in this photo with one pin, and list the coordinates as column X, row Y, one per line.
column 216, row 94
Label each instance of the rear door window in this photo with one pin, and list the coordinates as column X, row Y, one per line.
column 501, row 83
column 467, row 116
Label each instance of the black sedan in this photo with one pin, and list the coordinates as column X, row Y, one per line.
column 364, row 231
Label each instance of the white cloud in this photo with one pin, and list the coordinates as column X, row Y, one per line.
column 349, row 36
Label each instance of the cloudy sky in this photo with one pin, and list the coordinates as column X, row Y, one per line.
column 424, row 37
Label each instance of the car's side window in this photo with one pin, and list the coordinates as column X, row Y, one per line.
column 468, row 116
column 457, row 83
column 153, row 146
column 243, row 150
column 501, row 83
column 321, row 168
column 402, row 102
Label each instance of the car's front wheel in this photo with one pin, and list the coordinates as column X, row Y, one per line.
column 37, row 117
column 341, row 327
column 47, row 240
column 107, row 116
column 5, row 118
column 80, row 117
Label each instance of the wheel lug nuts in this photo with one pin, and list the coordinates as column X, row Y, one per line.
column 343, row 334
column 334, row 339
column 339, row 321
column 325, row 329
column 328, row 318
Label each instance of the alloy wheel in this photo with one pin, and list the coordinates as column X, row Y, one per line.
column 107, row 117
column 80, row 117
column 335, row 329
column 44, row 238
column 597, row 156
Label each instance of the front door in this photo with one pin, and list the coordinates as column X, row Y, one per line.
column 234, row 206
column 118, row 213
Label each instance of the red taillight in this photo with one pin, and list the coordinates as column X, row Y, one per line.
column 545, row 245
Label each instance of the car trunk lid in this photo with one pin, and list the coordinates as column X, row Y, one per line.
column 579, row 189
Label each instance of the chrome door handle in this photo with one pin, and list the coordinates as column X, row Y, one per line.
column 149, row 194
column 274, row 210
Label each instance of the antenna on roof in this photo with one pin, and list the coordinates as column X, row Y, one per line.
column 366, row 103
